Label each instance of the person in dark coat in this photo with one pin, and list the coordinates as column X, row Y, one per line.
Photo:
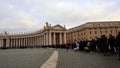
column 104, row 45
column 111, row 42
column 98, row 44
column 118, row 44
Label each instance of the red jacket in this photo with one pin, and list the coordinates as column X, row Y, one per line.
column 66, row 45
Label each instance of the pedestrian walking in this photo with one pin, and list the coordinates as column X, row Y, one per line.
column 67, row 47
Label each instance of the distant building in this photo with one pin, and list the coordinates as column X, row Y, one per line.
column 49, row 36
column 92, row 30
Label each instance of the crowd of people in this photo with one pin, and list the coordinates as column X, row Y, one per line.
column 107, row 46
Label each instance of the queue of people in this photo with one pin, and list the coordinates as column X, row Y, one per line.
column 107, row 46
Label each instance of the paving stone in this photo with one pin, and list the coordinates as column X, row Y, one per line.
column 34, row 58
column 24, row 58
column 73, row 59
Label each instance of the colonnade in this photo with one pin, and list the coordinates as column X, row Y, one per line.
column 25, row 41
column 49, row 36
column 37, row 40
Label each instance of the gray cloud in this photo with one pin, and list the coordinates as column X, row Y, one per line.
column 29, row 15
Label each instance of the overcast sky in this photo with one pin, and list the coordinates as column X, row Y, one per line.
column 31, row 15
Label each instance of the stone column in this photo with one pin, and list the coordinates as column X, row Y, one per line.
column 29, row 41
column 39, row 38
column 64, row 38
column 11, row 43
column 7, row 42
column 18, row 42
column 14, row 42
column 25, row 41
column 38, row 41
column 34, row 41
column 50, row 38
column 44, row 39
column 22, row 42
column 54, row 38
column 60, row 38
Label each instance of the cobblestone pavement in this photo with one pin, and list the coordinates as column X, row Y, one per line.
column 34, row 58
column 24, row 58
column 73, row 59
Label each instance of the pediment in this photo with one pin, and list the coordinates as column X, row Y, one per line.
column 58, row 27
